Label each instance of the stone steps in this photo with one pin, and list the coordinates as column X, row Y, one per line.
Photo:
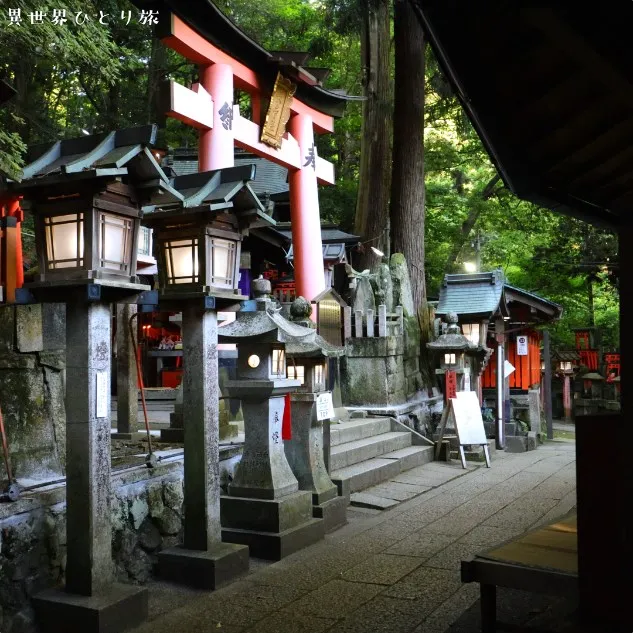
column 358, row 429
column 358, row 451
column 371, row 472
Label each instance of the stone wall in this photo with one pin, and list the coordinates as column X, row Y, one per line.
column 32, row 364
column 372, row 371
column 147, row 515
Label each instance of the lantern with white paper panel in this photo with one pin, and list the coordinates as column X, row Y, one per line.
column 78, row 239
column 198, row 252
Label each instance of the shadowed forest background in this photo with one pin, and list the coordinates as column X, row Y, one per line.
column 75, row 79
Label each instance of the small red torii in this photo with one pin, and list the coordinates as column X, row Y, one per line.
column 208, row 106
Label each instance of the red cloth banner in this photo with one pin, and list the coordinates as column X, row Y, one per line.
column 286, row 420
column 451, row 385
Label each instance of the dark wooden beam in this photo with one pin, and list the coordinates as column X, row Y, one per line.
column 558, row 92
column 594, row 152
column 589, row 119
column 571, row 44
column 605, row 171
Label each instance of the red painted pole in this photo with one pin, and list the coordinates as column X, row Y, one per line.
column 14, row 210
column 216, row 145
column 304, row 213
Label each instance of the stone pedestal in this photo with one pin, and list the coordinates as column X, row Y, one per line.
column 176, row 430
column 305, row 456
column 203, row 561
column 92, row 600
column 126, row 375
column 265, row 509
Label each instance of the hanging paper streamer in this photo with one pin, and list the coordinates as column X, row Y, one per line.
column 286, row 421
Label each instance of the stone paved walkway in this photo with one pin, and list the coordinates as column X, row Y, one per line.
column 393, row 571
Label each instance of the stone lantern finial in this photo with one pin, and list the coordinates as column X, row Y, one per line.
column 261, row 289
column 453, row 327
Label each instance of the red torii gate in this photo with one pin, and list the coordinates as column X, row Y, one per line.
column 208, row 106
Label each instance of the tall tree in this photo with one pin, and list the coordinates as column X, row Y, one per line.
column 407, row 179
column 372, row 207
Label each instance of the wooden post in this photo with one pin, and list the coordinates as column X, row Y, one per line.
column 370, row 323
column 382, row 321
column 347, row 323
column 358, row 323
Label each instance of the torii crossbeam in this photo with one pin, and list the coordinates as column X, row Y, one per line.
column 228, row 59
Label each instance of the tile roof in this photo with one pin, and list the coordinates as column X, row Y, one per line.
column 270, row 178
column 477, row 294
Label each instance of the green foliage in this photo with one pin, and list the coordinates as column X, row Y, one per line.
column 95, row 77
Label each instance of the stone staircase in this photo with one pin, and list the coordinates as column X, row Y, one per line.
column 368, row 451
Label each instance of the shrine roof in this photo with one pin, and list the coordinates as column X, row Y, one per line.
column 270, row 178
column 483, row 295
column 473, row 295
column 210, row 22
column 550, row 92
column 566, row 355
column 329, row 234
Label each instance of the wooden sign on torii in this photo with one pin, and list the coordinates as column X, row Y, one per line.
column 229, row 59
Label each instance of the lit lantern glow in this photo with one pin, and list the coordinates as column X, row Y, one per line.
column 64, row 241
column 296, row 372
column 253, row 361
column 278, row 362
column 449, row 359
column 86, row 244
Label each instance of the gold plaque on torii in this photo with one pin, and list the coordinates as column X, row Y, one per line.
column 278, row 112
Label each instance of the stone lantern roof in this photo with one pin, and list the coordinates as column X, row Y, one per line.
column 453, row 340
column 317, row 348
column 592, row 375
column 265, row 322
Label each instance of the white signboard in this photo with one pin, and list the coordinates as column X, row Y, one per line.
column 102, row 395
column 324, row 406
column 468, row 421
column 508, row 368
column 522, row 346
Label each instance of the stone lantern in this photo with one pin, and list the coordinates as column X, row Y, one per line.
column 592, row 385
column 311, row 408
column 264, row 508
column 86, row 195
column 452, row 348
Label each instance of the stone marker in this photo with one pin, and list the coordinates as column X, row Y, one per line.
column 91, row 600
column 203, row 561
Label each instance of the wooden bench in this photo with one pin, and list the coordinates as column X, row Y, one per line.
column 542, row 561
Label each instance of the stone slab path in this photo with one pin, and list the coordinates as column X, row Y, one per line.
column 408, row 485
column 395, row 570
